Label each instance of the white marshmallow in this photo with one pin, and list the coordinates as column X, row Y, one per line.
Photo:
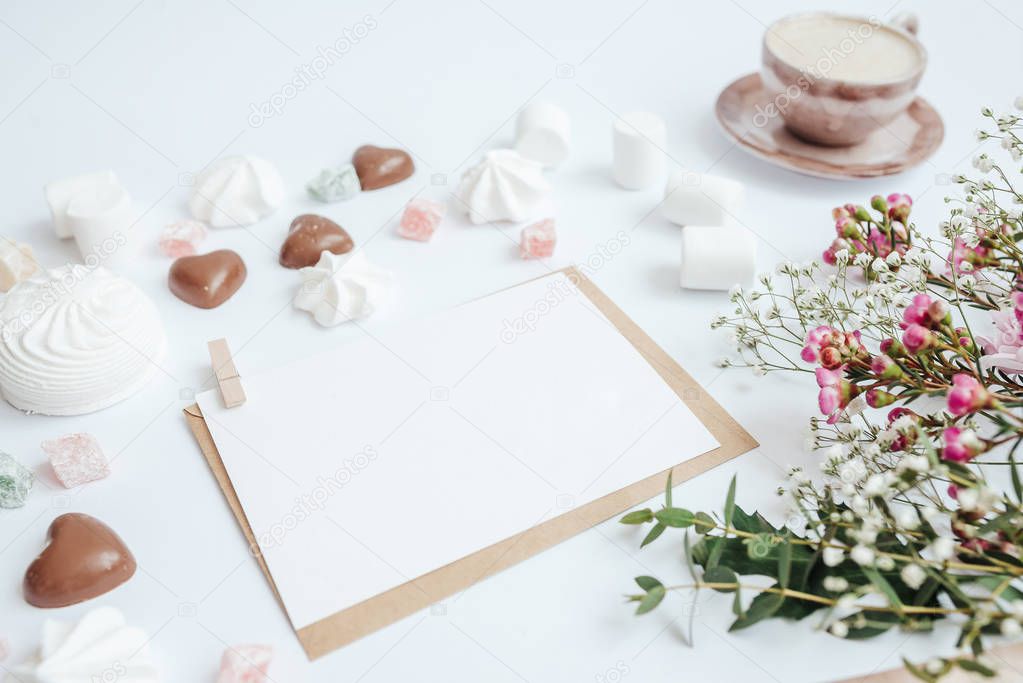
column 639, row 138
column 716, row 257
column 543, row 132
column 59, row 194
column 101, row 223
column 695, row 199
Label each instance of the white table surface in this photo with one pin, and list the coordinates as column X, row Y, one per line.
column 157, row 89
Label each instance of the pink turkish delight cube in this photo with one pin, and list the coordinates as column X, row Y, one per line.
column 245, row 664
column 420, row 219
column 182, row 238
column 76, row 459
column 538, row 239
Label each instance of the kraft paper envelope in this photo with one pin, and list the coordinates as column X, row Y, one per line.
column 363, row 618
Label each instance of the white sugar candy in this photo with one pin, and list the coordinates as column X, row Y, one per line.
column 639, row 141
column 697, row 199
column 716, row 257
column 59, row 194
column 543, row 133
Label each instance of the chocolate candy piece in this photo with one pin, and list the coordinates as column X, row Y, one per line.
column 311, row 235
column 379, row 167
column 84, row 558
column 207, row 280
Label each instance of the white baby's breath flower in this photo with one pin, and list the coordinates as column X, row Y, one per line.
column 942, row 549
column 893, row 259
column 759, row 371
column 907, row 518
column 934, row 666
column 862, row 555
column 1018, row 103
column 875, row 486
column 840, row 629
column 1010, row 627
column 735, row 292
column 846, row 602
column 885, row 563
column 835, row 584
column 832, row 557
column 913, row 575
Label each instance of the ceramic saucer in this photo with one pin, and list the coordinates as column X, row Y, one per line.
column 902, row 144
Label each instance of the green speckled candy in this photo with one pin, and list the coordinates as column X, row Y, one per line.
column 15, row 482
column 335, row 184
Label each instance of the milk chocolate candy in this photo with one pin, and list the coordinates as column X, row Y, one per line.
column 311, row 235
column 379, row 167
column 83, row 559
column 207, row 280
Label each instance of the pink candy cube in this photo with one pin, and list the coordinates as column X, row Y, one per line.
column 420, row 220
column 245, row 664
column 76, row 459
column 538, row 239
column 181, row 238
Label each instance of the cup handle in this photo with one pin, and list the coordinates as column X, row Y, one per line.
column 907, row 21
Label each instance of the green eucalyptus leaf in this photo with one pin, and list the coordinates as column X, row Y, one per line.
column 678, row 518
column 883, row 586
column 721, row 574
column 784, row 563
column 656, row 531
column 1017, row 487
column 651, row 600
column 703, row 523
column 647, row 582
column 730, row 503
column 763, row 607
column 667, row 491
column 638, row 517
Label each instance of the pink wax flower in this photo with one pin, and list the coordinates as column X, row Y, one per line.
column 967, row 395
column 884, row 367
column 961, row 445
column 830, row 347
column 879, row 398
column 916, row 338
column 907, row 438
column 924, row 311
column 835, row 392
column 1004, row 350
column 899, row 206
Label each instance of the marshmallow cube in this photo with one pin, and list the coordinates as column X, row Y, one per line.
column 59, row 194
column 543, row 132
column 100, row 222
column 695, row 199
column 639, row 138
column 716, row 257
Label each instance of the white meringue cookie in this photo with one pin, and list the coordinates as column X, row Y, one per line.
column 343, row 287
column 505, row 186
column 100, row 647
column 237, row 191
column 17, row 262
column 74, row 340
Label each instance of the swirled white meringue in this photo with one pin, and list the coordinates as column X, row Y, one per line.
column 100, row 647
column 343, row 287
column 505, row 186
column 237, row 191
column 74, row 340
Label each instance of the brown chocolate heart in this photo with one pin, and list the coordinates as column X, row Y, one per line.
column 379, row 167
column 83, row 558
column 311, row 235
column 207, row 280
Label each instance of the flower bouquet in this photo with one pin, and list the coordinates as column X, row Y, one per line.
column 916, row 346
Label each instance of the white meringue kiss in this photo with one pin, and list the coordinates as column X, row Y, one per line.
column 100, row 647
column 237, row 191
column 343, row 287
column 505, row 186
column 75, row 340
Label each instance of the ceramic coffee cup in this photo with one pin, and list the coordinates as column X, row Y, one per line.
column 836, row 78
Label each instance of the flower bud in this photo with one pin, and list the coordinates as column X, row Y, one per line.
column 885, row 368
column 879, row 398
column 878, row 203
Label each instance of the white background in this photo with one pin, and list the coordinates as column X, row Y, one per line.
column 158, row 89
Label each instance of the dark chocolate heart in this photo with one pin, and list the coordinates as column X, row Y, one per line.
column 84, row 558
column 207, row 280
column 311, row 235
column 379, row 167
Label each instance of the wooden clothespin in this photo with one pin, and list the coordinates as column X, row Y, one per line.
column 227, row 374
